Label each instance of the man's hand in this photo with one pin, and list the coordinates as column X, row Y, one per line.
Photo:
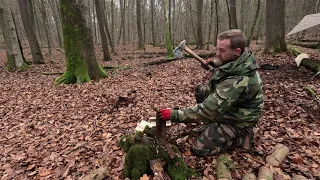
column 209, row 62
column 164, row 114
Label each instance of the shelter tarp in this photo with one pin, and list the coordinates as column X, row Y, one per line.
column 307, row 22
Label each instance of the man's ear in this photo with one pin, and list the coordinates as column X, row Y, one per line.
column 238, row 51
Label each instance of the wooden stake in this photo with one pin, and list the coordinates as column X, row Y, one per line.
column 277, row 155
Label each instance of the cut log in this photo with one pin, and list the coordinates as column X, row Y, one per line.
column 277, row 155
column 98, row 174
column 249, row 176
column 299, row 177
column 265, row 173
column 224, row 164
column 303, row 59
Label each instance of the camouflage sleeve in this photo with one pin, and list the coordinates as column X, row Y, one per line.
column 220, row 100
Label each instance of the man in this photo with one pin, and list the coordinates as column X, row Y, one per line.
column 231, row 103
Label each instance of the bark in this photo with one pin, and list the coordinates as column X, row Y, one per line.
column 254, row 23
column 249, row 176
column 199, row 24
column 210, row 23
column 98, row 174
column 265, row 173
column 112, row 21
column 229, row 15
column 169, row 45
column 277, row 155
column 123, row 17
column 56, row 16
column 30, row 32
column 46, row 28
column 81, row 64
column 138, row 11
column 233, row 15
column 104, row 41
column 216, row 30
column 275, row 27
column 8, row 29
column 224, row 164
column 106, row 27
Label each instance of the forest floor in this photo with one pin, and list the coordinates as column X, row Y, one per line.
column 50, row 131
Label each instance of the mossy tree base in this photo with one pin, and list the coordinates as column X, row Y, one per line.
column 140, row 151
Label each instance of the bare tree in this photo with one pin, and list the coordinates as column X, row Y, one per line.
column 81, row 63
column 30, row 31
column 275, row 26
column 104, row 41
column 199, row 24
column 216, row 30
column 210, row 22
column 106, row 26
column 14, row 55
column 251, row 34
column 233, row 14
column 46, row 27
column 154, row 42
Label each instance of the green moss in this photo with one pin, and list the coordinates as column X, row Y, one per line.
column 177, row 169
column 295, row 51
column 224, row 163
column 125, row 142
column 11, row 65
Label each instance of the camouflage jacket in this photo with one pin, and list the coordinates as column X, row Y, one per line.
column 235, row 97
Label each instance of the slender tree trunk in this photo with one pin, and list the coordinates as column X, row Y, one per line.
column 275, row 27
column 154, row 42
column 241, row 25
column 229, row 15
column 30, row 31
column 210, row 22
column 14, row 56
column 112, row 21
column 199, row 24
column 254, row 23
column 192, row 22
column 104, row 41
column 233, row 14
column 216, row 30
column 81, row 63
column 106, row 27
column 56, row 16
column 46, row 27
column 138, row 11
column 169, row 46
column 317, row 6
column 123, row 17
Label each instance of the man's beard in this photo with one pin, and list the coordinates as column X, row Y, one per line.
column 218, row 63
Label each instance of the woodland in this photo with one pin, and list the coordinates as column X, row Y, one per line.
column 78, row 76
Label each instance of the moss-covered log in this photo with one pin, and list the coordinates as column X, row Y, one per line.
column 277, row 155
column 313, row 94
column 224, row 164
column 305, row 61
column 313, row 45
column 81, row 63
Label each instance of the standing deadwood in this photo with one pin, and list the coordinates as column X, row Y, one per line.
column 104, row 41
column 275, row 27
column 249, row 176
column 229, row 16
column 265, row 173
column 30, row 32
column 138, row 11
column 106, row 27
column 154, row 42
column 216, row 30
column 233, row 15
column 254, row 23
column 277, row 155
column 169, row 46
column 46, row 27
column 81, row 63
column 199, row 24
column 210, row 22
column 14, row 55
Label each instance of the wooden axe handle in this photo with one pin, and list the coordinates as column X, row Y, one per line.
column 188, row 50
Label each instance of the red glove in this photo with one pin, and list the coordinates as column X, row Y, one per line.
column 208, row 61
column 164, row 114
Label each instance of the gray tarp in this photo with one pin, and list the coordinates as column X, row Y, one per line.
column 307, row 22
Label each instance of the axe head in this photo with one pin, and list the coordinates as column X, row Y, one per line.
column 178, row 51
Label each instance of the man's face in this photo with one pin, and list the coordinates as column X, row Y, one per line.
column 225, row 53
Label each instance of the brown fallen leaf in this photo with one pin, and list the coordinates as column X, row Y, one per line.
column 45, row 173
column 144, row 177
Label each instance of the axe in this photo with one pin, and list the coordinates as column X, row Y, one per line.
column 178, row 53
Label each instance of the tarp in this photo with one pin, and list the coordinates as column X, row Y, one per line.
column 307, row 22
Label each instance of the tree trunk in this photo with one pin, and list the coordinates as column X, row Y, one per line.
column 229, row 15
column 138, row 11
column 112, row 22
column 154, row 42
column 14, row 56
column 216, row 30
column 254, row 23
column 106, row 27
column 81, row 64
column 46, row 27
column 30, row 32
column 169, row 46
column 123, row 17
column 104, row 41
column 56, row 16
column 233, row 14
column 275, row 27
column 210, row 22
column 199, row 24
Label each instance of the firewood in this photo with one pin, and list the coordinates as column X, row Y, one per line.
column 277, row 155
column 224, row 164
column 249, row 176
column 265, row 173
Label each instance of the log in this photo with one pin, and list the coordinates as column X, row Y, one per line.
column 304, row 60
column 298, row 177
column 277, row 155
column 98, row 174
column 265, row 173
column 313, row 94
column 115, row 67
column 224, row 164
column 313, row 45
column 249, row 176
